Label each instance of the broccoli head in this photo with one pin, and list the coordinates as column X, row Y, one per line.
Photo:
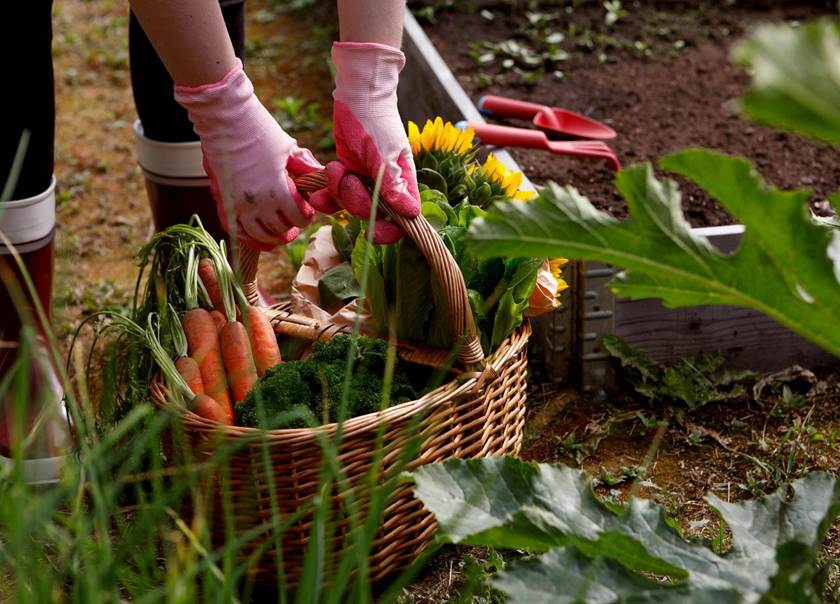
column 314, row 386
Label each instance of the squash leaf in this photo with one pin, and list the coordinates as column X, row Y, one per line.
column 787, row 265
column 600, row 553
column 795, row 79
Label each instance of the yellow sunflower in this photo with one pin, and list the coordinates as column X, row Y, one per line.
column 506, row 180
column 556, row 265
column 439, row 136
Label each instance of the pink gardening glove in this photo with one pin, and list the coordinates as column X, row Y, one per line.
column 369, row 136
column 250, row 161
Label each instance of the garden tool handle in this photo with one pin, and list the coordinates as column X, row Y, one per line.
column 442, row 263
column 500, row 106
column 506, row 136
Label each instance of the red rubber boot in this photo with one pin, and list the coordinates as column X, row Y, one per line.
column 33, row 418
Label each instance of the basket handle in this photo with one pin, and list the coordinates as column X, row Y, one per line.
column 442, row 263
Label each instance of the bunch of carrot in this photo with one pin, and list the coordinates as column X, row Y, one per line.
column 229, row 348
column 191, row 322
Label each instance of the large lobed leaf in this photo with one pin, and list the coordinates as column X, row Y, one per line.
column 795, row 77
column 596, row 552
column 787, row 266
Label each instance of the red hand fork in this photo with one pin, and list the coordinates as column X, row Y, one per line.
column 556, row 122
column 505, row 136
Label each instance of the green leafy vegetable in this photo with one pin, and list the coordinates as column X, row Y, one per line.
column 342, row 239
column 295, row 393
column 606, row 553
column 413, row 290
column 785, row 266
column 692, row 382
column 401, row 284
column 296, row 249
column 337, row 286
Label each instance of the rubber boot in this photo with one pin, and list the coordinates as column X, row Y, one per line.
column 178, row 187
column 31, row 407
column 176, row 183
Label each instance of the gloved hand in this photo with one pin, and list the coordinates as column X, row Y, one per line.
column 369, row 137
column 250, row 161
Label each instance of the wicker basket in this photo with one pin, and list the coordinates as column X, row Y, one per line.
column 480, row 413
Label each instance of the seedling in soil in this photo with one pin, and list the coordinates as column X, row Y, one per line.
column 614, row 12
column 259, row 47
column 296, row 114
column 71, row 186
column 521, row 58
column 475, row 572
column 622, row 476
column 786, row 461
column 788, row 402
column 430, row 12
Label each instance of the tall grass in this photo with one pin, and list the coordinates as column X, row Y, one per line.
column 126, row 522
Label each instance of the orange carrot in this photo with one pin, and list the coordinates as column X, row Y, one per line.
column 263, row 340
column 218, row 319
column 203, row 342
column 189, row 370
column 207, row 274
column 239, row 361
column 207, row 407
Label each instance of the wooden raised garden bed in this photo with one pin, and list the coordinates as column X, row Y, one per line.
column 568, row 342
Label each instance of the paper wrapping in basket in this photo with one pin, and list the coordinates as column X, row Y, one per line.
column 320, row 257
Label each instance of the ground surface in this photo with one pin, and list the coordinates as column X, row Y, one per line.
column 661, row 76
column 735, row 449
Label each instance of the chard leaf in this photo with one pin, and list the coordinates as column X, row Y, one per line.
column 413, row 292
column 434, row 214
column 341, row 239
column 439, row 334
column 795, row 78
column 389, row 269
column 504, row 502
column 375, row 294
column 785, row 266
column 505, row 318
column 337, row 286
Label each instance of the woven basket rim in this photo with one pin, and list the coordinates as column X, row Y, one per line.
column 460, row 384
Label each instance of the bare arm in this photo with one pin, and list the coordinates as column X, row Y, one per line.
column 371, row 21
column 190, row 37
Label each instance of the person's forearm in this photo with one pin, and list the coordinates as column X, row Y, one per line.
column 371, row 21
column 190, row 37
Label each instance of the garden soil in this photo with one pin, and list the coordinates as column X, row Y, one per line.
column 661, row 76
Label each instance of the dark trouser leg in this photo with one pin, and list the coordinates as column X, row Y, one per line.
column 27, row 221
column 167, row 146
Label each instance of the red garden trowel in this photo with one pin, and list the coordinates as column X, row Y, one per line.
column 505, row 136
column 555, row 122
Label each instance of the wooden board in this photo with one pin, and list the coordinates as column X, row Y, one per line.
column 747, row 338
